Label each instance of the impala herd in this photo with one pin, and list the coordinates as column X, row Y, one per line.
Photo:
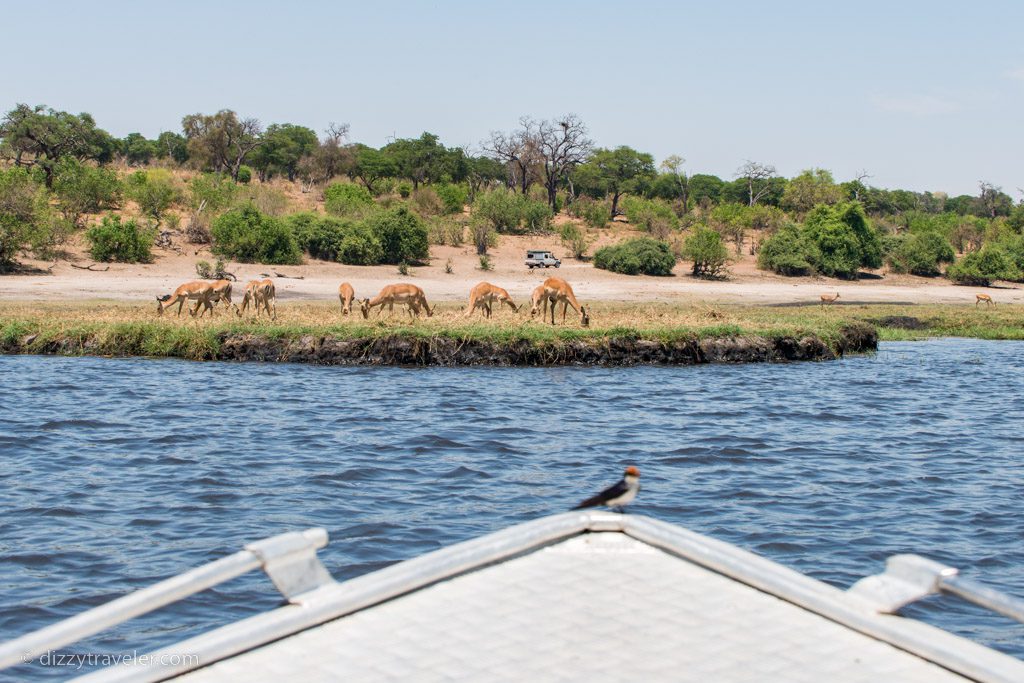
column 262, row 296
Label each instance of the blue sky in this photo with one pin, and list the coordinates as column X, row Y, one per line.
column 921, row 95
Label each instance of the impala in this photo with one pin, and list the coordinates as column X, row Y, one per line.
column 345, row 295
column 828, row 299
column 220, row 290
column 410, row 295
column 197, row 289
column 484, row 295
column 261, row 293
column 555, row 290
column 978, row 298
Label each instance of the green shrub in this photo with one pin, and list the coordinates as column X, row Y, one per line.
column 485, row 262
column 641, row 255
column 26, row 219
column 453, row 196
column 593, row 212
column 427, row 202
column 403, row 188
column 710, row 257
column 347, row 200
column 787, row 252
column 981, row 267
column 403, row 268
column 83, row 189
column 918, row 253
column 250, row 236
column 155, row 191
column 449, row 231
column 576, row 240
column 244, row 174
column 211, row 192
column 402, row 235
column 502, row 208
column 333, row 239
column 218, row 271
column 1015, row 250
column 124, row 242
column 651, row 215
column 536, row 217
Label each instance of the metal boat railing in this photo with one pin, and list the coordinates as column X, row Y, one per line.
column 289, row 560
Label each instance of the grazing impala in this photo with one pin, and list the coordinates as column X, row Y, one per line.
column 484, row 295
column 978, row 298
column 410, row 295
column 345, row 295
column 261, row 293
column 220, row 291
column 828, row 299
column 555, row 290
column 197, row 289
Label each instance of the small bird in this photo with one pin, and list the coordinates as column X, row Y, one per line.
column 617, row 495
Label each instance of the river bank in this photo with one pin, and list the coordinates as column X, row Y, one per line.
column 620, row 334
column 316, row 333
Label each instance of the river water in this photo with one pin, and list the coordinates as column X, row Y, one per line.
column 116, row 473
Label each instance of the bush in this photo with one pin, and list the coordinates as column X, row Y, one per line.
column 593, row 212
column 576, row 240
column 448, row 231
column 333, row 239
column 652, row 215
column 484, row 235
column 536, row 217
column 485, row 262
column 403, row 269
column 642, row 255
column 347, row 200
column 244, row 174
column 250, row 236
column 403, row 188
column 919, row 253
column 787, row 252
column 427, row 203
column 502, row 208
column 704, row 247
column 454, row 197
column 125, row 242
column 26, row 219
column 155, row 191
column 402, row 235
column 981, row 267
column 218, row 271
column 82, row 189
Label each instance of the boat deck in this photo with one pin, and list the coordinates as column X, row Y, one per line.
column 600, row 606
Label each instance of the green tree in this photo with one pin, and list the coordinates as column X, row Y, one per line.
column 981, row 268
column 137, row 150
column 402, row 234
column 81, row 188
column 501, row 208
column 284, row 145
column 425, row 160
column 840, row 254
column 26, row 219
column 42, row 137
column 810, row 188
column 221, row 142
column 155, row 191
column 706, row 190
column 710, row 257
column 371, row 165
column 919, row 253
column 170, row 145
column 615, row 172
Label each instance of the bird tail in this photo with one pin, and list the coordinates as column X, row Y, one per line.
column 589, row 503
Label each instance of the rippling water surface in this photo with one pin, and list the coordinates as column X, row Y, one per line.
column 115, row 474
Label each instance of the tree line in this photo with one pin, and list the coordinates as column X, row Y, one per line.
column 790, row 223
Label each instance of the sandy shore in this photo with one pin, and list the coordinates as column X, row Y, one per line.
column 320, row 280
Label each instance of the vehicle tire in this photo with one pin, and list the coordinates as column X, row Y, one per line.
column 558, row 265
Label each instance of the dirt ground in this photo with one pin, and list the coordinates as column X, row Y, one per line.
column 320, row 279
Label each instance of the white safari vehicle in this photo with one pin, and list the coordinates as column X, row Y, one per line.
column 580, row 596
column 541, row 259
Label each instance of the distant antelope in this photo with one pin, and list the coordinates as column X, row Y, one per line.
column 484, row 295
column 828, row 299
column 410, row 295
column 345, row 296
column 555, row 290
column 978, row 298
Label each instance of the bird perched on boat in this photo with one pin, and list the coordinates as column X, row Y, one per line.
column 617, row 495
